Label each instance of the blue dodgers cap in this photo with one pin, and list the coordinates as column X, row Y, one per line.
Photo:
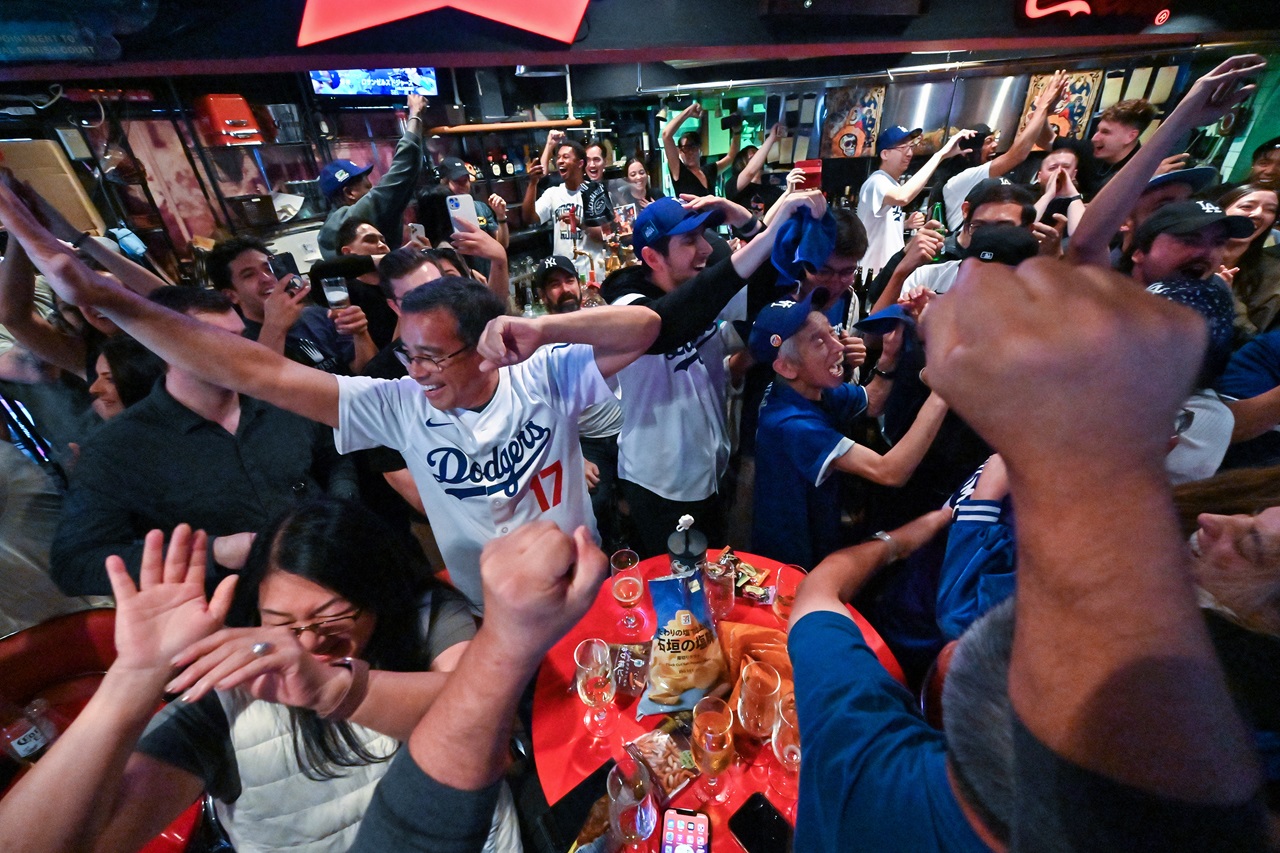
column 885, row 320
column 667, row 217
column 1197, row 177
column 781, row 320
column 894, row 136
column 336, row 175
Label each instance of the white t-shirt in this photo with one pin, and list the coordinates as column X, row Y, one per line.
column 883, row 223
column 674, row 438
column 553, row 206
column 957, row 189
column 935, row 277
column 483, row 474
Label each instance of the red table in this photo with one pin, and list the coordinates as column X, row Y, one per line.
column 566, row 754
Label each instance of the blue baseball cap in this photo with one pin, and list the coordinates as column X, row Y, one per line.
column 885, row 320
column 894, row 136
column 667, row 217
column 336, row 175
column 1197, row 177
column 781, row 320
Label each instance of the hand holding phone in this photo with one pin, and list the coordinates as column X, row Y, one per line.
column 462, row 208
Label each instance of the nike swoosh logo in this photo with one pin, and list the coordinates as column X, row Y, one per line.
column 1071, row 7
column 431, row 423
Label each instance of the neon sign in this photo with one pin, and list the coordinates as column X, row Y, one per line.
column 1032, row 10
column 327, row 19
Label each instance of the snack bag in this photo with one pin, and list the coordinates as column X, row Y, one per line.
column 685, row 660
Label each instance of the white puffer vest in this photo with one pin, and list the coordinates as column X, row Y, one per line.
column 280, row 808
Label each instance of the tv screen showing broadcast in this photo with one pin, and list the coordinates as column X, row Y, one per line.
column 392, row 82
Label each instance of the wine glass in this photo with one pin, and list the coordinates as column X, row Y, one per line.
column 785, row 777
column 718, row 581
column 628, row 587
column 758, row 700
column 594, row 680
column 712, row 744
column 632, row 811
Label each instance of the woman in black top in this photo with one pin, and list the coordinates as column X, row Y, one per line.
column 689, row 176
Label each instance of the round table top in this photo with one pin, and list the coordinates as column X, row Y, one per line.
column 565, row 752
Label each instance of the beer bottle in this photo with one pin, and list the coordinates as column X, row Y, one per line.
column 936, row 214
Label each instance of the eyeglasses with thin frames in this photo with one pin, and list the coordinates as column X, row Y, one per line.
column 327, row 627
column 422, row 360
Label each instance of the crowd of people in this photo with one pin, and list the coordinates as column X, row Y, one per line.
column 980, row 448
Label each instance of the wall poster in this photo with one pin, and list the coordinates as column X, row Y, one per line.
column 852, row 121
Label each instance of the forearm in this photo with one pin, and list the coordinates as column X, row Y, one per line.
column 1022, row 145
column 365, row 350
column 609, row 330
column 462, row 739
column 904, row 194
column 499, row 281
column 273, row 337
column 81, row 773
column 397, row 701
column 1099, row 552
column 878, row 390
column 528, row 205
column 756, row 164
column 347, row 266
column 900, row 462
column 504, row 234
column 893, row 289
column 405, row 487
column 1254, row 416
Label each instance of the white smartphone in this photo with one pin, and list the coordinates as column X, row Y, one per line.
column 417, row 231
column 462, row 208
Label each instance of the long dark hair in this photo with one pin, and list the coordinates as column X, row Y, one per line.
column 1229, row 195
column 134, row 368
column 342, row 546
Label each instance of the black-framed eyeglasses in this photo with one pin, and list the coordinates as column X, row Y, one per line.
column 422, row 360
column 844, row 273
column 330, row 627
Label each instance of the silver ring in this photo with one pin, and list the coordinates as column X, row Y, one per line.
column 261, row 649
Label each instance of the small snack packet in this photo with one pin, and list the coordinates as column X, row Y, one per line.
column 667, row 754
column 630, row 667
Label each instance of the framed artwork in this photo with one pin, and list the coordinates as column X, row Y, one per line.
column 1070, row 116
column 852, row 121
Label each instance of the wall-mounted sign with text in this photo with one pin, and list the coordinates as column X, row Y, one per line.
column 1142, row 12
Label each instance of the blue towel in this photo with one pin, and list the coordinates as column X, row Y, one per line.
column 803, row 244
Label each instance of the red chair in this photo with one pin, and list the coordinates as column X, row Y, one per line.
column 931, row 687
column 62, row 661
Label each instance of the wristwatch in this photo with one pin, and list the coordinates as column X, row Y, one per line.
column 883, row 374
column 894, row 548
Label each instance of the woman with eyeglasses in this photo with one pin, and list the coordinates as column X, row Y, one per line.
column 689, row 175
column 289, row 719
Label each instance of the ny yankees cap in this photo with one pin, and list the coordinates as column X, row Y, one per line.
column 336, row 175
column 556, row 262
column 667, row 217
column 781, row 320
column 1188, row 217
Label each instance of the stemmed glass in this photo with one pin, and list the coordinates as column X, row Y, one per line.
column 758, row 700
column 632, row 811
column 785, row 777
column 594, row 680
column 628, row 587
column 712, row 744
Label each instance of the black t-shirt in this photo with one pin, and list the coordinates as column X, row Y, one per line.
column 687, row 184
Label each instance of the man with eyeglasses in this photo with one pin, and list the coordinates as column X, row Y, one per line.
column 882, row 197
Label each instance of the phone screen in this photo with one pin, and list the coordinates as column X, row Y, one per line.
column 685, row 831
column 760, row 828
column 462, row 207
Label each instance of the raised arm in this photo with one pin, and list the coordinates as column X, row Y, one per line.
column 1036, row 128
column 475, row 241
column 896, row 466
column 756, row 164
column 108, row 797
column 669, row 138
column 395, row 190
column 903, row 194
column 619, row 334
column 18, row 315
column 735, row 145
column 529, row 204
column 215, row 355
column 1208, row 99
column 554, row 138
column 1112, row 667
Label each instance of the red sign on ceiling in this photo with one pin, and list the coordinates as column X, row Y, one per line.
column 326, row 19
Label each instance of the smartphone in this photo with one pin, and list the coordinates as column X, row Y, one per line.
column 293, row 284
column 417, row 231
column 812, row 174
column 283, row 265
column 462, row 208
column 761, row 828
column 685, row 831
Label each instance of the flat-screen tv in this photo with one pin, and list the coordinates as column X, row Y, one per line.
column 393, row 82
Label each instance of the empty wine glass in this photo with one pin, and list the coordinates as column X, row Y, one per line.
column 712, row 743
column 628, row 587
column 633, row 814
column 718, row 581
column 758, row 700
column 596, row 688
column 785, row 777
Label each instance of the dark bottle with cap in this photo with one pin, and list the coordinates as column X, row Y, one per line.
column 938, row 216
column 686, row 547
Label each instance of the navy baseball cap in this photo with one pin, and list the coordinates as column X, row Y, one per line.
column 885, row 320
column 452, row 169
column 1188, row 217
column 555, row 262
column 781, row 320
column 336, row 175
column 667, row 217
column 1002, row 244
column 894, row 136
column 1197, row 177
